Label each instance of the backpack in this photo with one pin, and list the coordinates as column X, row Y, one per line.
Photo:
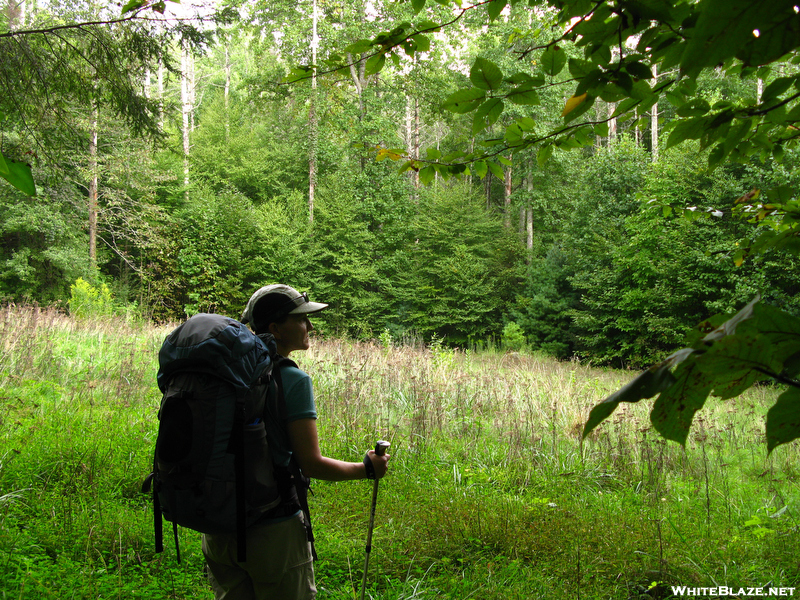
column 212, row 468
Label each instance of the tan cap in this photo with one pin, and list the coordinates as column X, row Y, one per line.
column 275, row 302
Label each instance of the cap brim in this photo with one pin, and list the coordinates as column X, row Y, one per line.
column 308, row 308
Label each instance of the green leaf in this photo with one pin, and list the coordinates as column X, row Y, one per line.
column 480, row 168
column 716, row 156
column 513, row 135
column 688, row 129
column 487, row 114
column 675, row 408
column 455, row 155
column 524, row 97
column 426, row 174
column 777, row 28
column 580, row 68
column 601, row 129
column 417, row 5
column 485, row 75
column 495, row 7
column 133, row 5
column 638, row 70
column 649, row 383
column 526, row 124
column 553, row 60
column 17, row 174
column 496, row 170
column 375, row 63
column 464, row 101
column 433, row 153
column 783, row 419
column 428, row 25
column 544, row 154
column 407, row 166
column 423, row 42
column 359, row 47
column 776, row 88
column 695, row 108
column 594, row 80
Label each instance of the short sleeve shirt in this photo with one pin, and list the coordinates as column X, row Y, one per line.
column 299, row 393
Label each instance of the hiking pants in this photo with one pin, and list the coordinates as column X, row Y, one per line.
column 279, row 563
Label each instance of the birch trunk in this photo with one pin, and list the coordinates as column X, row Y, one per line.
column 529, row 211
column 93, row 187
column 312, row 121
column 358, row 73
column 654, row 121
column 227, row 92
column 186, row 110
column 507, row 197
column 160, row 83
column 15, row 10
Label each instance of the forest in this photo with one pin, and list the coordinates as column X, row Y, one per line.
column 179, row 164
column 513, row 207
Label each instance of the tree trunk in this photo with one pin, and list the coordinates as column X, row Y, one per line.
column 227, row 92
column 411, row 137
column 192, row 90
column 15, row 14
column 654, row 122
column 529, row 210
column 416, row 141
column 487, row 189
column 93, row 187
column 160, row 94
column 612, row 123
column 358, row 73
column 312, row 121
column 147, row 77
column 507, row 197
column 186, row 110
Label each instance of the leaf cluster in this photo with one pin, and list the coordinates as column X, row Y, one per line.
column 635, row 54
column 725, row 356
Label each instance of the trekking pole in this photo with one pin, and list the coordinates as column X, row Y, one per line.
column 380, row 450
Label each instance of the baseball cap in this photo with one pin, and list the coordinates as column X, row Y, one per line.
column 273, row 302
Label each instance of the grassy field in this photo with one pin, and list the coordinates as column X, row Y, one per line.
column 491, row 494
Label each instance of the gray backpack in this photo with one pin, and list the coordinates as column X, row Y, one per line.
column 213, row 470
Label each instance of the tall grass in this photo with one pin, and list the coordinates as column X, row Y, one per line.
column 491, row 493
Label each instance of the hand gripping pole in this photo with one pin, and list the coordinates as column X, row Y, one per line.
column 380, row 450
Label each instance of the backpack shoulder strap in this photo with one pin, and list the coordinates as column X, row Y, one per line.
column 302, row 483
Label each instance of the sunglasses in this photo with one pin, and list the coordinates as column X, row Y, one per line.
column 293, row 303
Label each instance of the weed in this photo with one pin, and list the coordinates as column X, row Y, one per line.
column 491, row 492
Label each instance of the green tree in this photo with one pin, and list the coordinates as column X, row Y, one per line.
column 621, row 46
column 456, row 274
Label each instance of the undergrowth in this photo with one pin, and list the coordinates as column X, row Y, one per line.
column 491, row 492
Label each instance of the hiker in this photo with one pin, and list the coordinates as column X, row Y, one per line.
column 279, row 551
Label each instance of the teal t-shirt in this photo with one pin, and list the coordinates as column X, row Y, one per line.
column 299, row 393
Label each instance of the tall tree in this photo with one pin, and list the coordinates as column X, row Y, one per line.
column 684, row 41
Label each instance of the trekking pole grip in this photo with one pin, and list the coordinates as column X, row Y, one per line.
column 381, row 447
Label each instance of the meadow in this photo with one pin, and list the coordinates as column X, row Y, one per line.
column 491, row 494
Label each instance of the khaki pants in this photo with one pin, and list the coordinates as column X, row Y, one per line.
column 279, row 564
